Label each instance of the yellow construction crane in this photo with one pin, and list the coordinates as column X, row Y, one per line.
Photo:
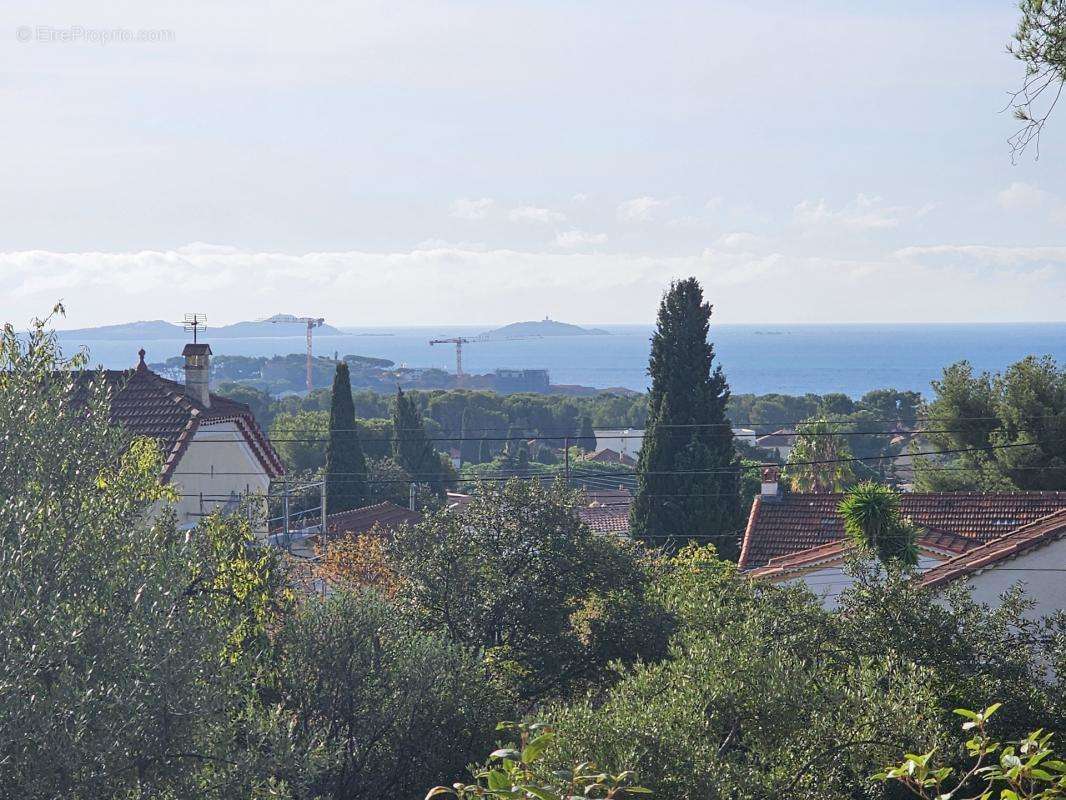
column 311, row 323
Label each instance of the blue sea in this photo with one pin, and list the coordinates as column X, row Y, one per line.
column 790, row 359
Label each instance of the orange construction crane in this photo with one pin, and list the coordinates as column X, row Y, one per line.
column 311, row 323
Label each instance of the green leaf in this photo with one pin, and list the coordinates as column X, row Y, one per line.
column 535, row 749
column 539, row 792
column 497, row 779
column 965, row 712
column 506, row 752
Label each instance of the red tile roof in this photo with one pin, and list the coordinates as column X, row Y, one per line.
column 608, row 456
column 362, row 520
column 815, row 557
column 606, row 519
column 147, row 404
column 790, row 523
column 1026, row 538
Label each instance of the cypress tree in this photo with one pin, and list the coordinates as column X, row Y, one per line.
column 346, row 486
column 688, row 472
column 484, row 453
column 586, row 437
column 468, row 445
column 411, row 448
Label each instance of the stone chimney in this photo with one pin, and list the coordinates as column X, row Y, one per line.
column 771, row 488
column 198, row 373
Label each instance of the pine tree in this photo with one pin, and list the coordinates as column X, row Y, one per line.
column 586, row 437
column 411, row 448
column 346, row 486
column 688, row 473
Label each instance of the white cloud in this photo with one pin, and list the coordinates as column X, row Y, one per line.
column 465, row 208
column 1021, row 195
column 738, row 240
column 535, row 214
column 451, row 283
column 639, row 209
column 580, row 197
column 865, row 213
column 983, row 255
column 574, row 239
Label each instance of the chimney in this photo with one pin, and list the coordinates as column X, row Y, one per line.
column 198, row 373
column 770, row 486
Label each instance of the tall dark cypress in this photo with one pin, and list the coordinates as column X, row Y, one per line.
column 468, row 444
column 688, row 473
column 411, row 448
column 345, row 462
column 586, row 438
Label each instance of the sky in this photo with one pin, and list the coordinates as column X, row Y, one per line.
column 402, row 163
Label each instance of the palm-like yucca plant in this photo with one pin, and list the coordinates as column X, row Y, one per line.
column 872, row 520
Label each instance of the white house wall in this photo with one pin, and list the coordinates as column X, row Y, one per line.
column 830, row 581
column 217, row 463
column 1046, row 589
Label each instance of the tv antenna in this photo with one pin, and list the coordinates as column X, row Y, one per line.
column 194, row 323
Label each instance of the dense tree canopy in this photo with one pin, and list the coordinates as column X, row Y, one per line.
column 520, row 579
column 1011, row 428
column 131, row 651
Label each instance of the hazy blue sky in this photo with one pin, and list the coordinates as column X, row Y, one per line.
column 409, row 162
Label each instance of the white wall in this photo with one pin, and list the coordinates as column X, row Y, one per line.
column 217, row 462
column 627, row 442
column 1046, row 589
column 830, row 581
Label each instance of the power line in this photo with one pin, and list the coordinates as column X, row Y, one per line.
column 728, row 470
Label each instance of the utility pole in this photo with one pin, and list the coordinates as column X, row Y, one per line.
column 323, row 509
column 285, row 510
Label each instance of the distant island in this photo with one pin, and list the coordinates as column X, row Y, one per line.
column 544, row 327
column 160, row 329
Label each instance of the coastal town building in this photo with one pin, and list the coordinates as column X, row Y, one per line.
column 793, row 538
column 779, row 442
column 214, row 453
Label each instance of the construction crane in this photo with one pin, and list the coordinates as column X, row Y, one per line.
column 311, row 323
column 458, row 341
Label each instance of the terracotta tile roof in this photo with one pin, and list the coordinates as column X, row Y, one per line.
column 606, row 519
column 608, row 456
column 362, row 520
column 782, row 525
column 604, row 497
column 935, row 543
column 986, row 556
column 147, row 404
